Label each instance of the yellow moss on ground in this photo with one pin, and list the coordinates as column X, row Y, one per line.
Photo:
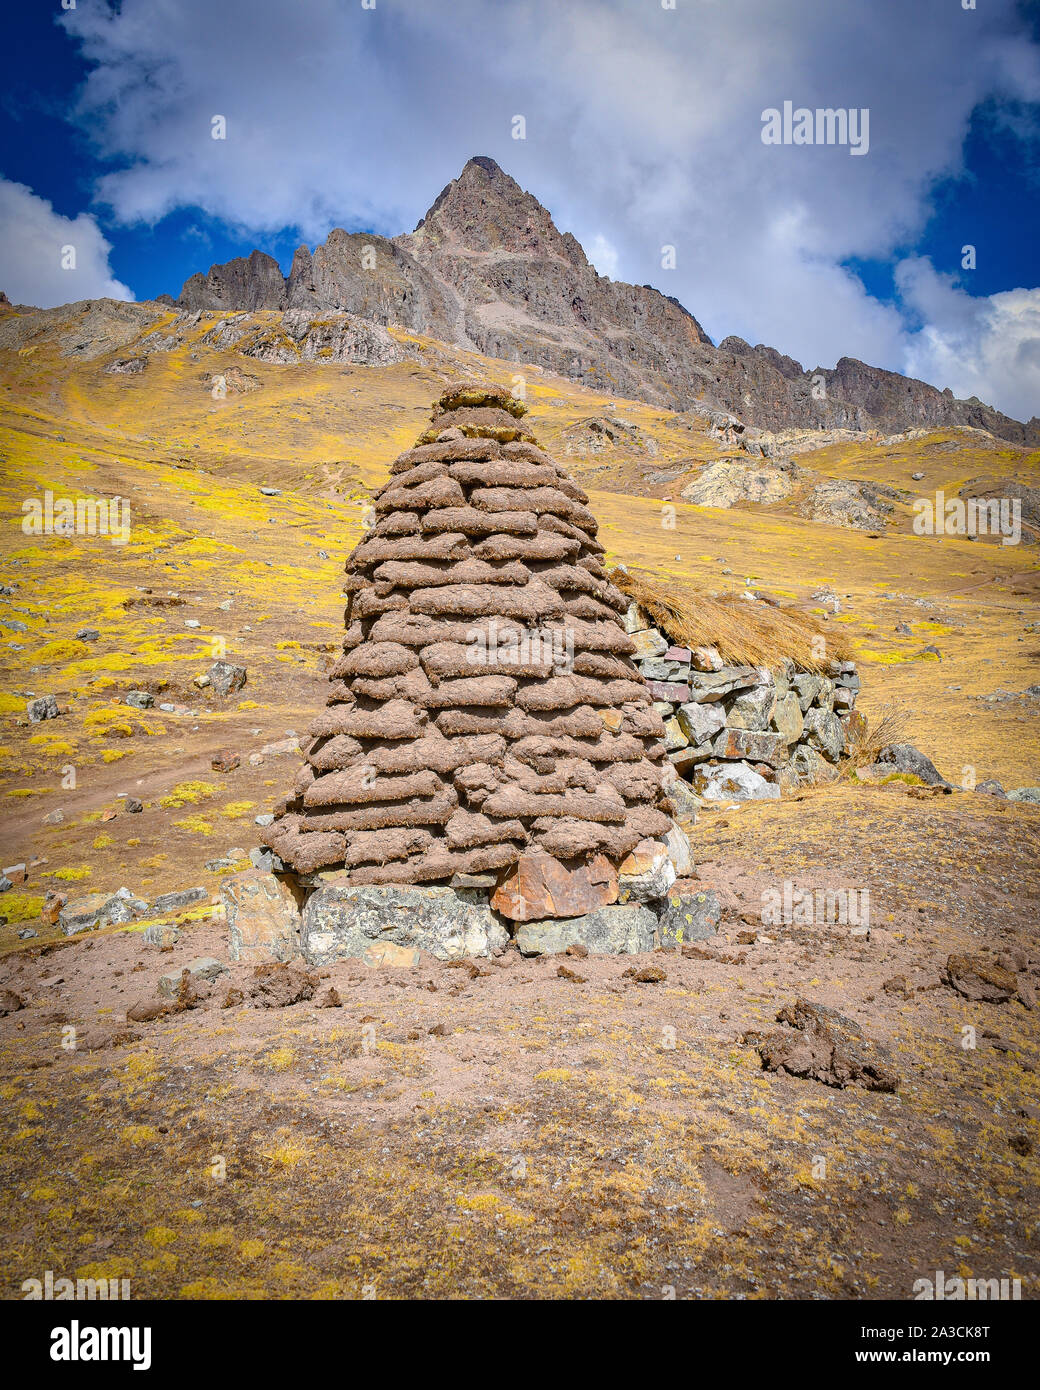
column 187, row 794
column 52, row 746
column 53, row 652
column 21, row 907
column 109, row 723
column 198, row 825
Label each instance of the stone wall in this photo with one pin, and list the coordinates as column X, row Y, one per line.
column 739, row 732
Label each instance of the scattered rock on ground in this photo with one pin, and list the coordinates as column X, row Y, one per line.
column 161, row 934
column 147, row 1010
column 904, row 757
column 185, row 897
column 226, row 678
column 991, row 787
column 45, row 707
column 52, row 906
column 823, row 1045
column 202, row 968
column 278, row 986
column 981, row 980
column 1029, row 794
column 97, row 910
column 646, row 974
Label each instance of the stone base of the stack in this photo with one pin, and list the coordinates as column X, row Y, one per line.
column 650, row 903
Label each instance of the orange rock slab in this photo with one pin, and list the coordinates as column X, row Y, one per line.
column 539, row 886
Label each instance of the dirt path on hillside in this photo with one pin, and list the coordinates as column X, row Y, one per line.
column 18, row 827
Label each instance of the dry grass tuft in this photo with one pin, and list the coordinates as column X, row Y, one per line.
column 866, row 740
column 751, row 634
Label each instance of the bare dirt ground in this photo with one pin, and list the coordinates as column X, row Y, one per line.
column 507, row 1131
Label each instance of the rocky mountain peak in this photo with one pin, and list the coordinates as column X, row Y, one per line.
column 248, row 282
column 488, row 269
column 484, row 210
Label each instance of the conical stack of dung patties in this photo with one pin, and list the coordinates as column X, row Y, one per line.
column 485, row 705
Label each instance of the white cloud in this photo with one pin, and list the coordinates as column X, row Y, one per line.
column 603, row 255
column 34, row 243
column 976, row 346
column 643, row 124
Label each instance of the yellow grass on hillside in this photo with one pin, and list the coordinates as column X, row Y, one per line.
column 215, row 568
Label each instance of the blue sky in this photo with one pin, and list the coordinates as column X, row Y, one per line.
column 643, row 128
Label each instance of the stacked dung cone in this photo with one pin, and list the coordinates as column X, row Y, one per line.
column 485, row 704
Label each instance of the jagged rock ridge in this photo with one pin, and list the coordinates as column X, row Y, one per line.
column 487, row 269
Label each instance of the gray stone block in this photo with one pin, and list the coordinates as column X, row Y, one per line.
column 226, row 678
column 186, row 897
column 904, row 757
column 808, row 687
column 734, row 782
column 745, row 743
column 100, row 910
column 787, row 717
column 267, row 860
column 753, row 709
column 685, row 802
column 688, row 916
column 608, row 931
column 45, row 707
column 161, row 934
column 700, row 722
column 824, row 731
column 341, row 922
column 201, row 968
column 1030, row 794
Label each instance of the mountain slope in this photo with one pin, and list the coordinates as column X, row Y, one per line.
column 488, row 270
